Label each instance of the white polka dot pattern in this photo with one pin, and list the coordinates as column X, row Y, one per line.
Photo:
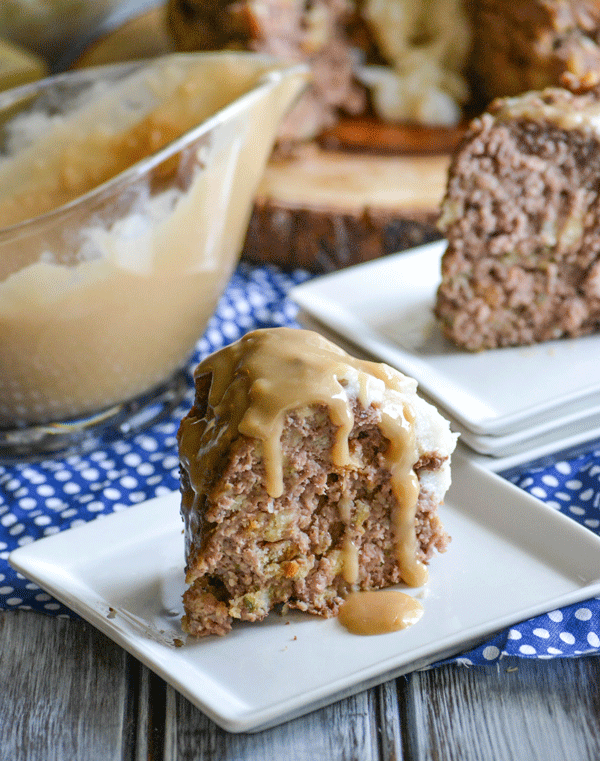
column 44, row 498
column 572, row 487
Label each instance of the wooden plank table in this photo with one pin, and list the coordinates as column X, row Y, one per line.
column 67, row 693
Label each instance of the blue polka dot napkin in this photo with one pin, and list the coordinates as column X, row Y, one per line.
column 572, row 487
column 42, row 498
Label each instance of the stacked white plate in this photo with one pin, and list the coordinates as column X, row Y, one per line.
column 522, row 402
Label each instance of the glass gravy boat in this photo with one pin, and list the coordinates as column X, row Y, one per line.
column 125, row 195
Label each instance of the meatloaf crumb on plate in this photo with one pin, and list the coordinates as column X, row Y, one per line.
column 306, row 474
column 522, row 218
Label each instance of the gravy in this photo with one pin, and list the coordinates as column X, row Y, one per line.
column 379, row 612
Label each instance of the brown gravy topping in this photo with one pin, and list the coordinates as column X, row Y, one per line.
column 379, row 612
column 257, row 381
column 553, row 105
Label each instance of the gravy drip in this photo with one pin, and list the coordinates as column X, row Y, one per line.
column 257, row 381
column 379, row 612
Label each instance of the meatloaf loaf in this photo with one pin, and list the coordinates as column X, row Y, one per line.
column 305, row 475
column 522, row 218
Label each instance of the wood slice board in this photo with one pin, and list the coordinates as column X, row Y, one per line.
column 366, row 190
column 326, row 209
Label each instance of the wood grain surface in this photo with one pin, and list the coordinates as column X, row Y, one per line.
column 67, row 692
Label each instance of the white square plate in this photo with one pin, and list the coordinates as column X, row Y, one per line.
column 525, row 442
column 511, row 557
column 575, row 429
column 386, row 307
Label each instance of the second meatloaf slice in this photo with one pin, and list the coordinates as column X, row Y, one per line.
column 522, row 219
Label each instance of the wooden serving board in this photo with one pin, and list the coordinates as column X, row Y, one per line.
column 365, row 190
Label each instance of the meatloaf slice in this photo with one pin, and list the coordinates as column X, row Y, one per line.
column 354, row 511
column 522, row 218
